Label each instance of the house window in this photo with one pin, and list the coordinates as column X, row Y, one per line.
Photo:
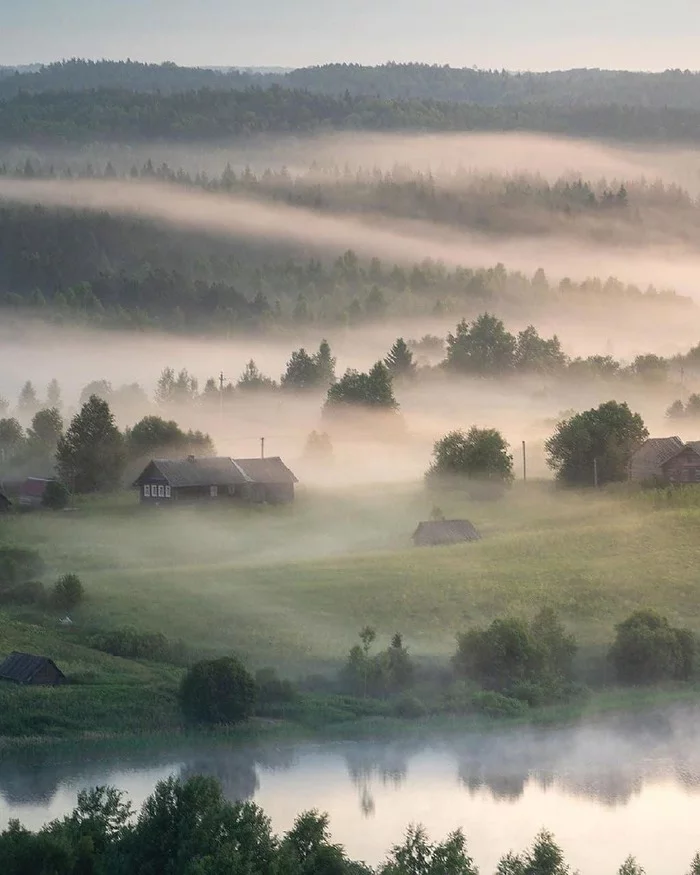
column 147, row 491
column 213, row 491
column 167, row 492
column 685, row 474
column 161, row 491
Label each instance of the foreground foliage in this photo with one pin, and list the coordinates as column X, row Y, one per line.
column 189, row 828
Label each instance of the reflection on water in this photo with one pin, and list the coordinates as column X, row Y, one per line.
column 629, row 782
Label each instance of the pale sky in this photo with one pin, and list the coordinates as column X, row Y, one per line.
column 515, row 34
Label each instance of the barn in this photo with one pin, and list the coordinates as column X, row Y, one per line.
column 440, row 532
column 684, row 465
column 196, row 479
column 31, row 670
column 646, row 464
column 31, row 492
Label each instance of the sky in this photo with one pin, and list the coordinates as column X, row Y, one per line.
column 512, row 34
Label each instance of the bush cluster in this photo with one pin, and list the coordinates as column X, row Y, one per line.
column 129, row 643
column 218, row 691
column 532, row 662
column 648, row 649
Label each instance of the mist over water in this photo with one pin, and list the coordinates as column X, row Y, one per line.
column 606, row 789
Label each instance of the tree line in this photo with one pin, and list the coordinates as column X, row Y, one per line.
column 675, row 88
column 190, row 828
column 119, row 115
column 111, row 270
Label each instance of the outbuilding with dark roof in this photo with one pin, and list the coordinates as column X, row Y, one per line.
column 440, row 532
column 28, row 669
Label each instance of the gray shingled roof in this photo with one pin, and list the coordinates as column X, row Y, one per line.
column 203, row 471
column 445, row 532
column 646, row 462
column 269, row 470
column 21, row 667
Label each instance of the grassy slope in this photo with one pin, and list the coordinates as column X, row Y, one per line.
column 245, row 580
column 109, row 694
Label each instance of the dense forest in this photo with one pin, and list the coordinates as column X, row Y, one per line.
column 206, row 114
column 672, row 88
column 114, row 270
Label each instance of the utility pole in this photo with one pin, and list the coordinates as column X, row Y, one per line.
column 262, row 447
column 595, row 473
column 221, row 396
column 524, row 464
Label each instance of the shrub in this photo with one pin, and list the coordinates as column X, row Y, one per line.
column 648, row 649
column 409, row 707
column 19, row 566
column 273, row 690
column 511, row 653
column 55, row 496
column 68, row 592
column 218, row 691
column 31, row 592
column 497, row 705
column 389, row 671
column 129, row 643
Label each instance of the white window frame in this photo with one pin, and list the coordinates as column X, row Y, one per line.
column 214, row 491
column 167, row 492
column 147, row 490
column 161, row 491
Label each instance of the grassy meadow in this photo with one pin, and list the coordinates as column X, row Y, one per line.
column 291, row 587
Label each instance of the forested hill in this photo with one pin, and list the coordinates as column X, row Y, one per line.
column 114, row 115
column 78, row 75
column 674, row 88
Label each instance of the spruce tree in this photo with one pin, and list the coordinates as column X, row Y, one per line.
column 399, row 361
column 91, row 455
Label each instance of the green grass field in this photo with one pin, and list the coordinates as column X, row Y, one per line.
column 291, row 587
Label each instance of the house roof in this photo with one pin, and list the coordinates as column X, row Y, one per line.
column 196, row 471
column 34, row 487
column 694, row 446
column 652, row 454
column 445, row 532
column 269, row 470
column 22, row 667
column 218, row 471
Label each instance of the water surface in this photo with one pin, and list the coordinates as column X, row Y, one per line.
column 608, row 789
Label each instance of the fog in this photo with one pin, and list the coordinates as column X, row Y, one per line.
column 500, row 153
column 523, row 409
column 606, row 789
column 670, row 265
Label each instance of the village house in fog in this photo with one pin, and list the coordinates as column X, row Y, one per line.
column 31, row 492
column 31, row 670
column 262, row 480
column 434, row 533
column 666, row 461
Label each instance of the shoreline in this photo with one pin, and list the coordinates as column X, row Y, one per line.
column 609, row 703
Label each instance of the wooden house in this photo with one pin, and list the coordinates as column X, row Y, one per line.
column 205, row 478
column 31, row 670
column 646, row 464
column 683, row 466
column 665, row 461
column 440, row 532
column 31, row 492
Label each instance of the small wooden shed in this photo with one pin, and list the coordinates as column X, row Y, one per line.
column 31, row 670
column 440, row 532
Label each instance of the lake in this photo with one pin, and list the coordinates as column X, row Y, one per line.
column 606, row 789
